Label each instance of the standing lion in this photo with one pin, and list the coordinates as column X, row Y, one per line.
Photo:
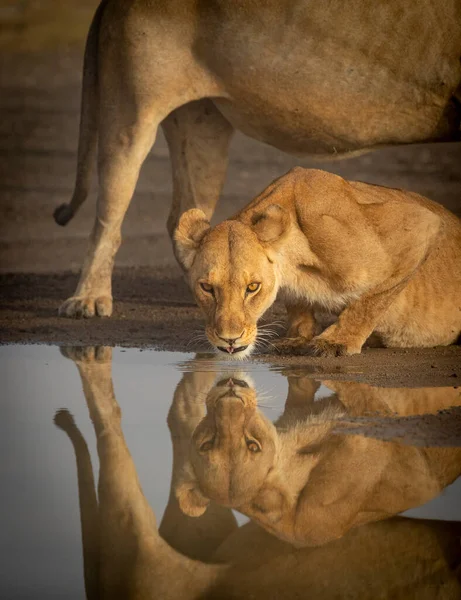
column 306, row 76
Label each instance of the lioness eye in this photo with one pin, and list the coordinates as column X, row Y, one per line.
column 206, row 446
column 253, row 446
column 252, row 288
column 206, row 287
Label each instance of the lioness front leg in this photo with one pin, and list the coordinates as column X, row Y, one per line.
column 357, row 322
column 301, row 327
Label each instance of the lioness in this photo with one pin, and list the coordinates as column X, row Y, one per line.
column 386, row 260
column 303, row 479
column 306, row 76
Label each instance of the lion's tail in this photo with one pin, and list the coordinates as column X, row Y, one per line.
column 88, row 136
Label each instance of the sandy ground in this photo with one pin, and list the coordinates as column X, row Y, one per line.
column 39, row 261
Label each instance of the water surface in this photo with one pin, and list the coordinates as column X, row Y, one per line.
column 310, row 487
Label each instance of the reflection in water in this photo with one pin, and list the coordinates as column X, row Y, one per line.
column 304, row 481
column 307, row 483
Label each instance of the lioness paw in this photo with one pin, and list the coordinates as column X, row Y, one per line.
column 289, row 346
column 86, row 307
column 325, row 348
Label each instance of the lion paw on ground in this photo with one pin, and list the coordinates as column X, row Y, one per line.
column 85, row 307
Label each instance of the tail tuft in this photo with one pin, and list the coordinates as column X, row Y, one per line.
column 63, row 214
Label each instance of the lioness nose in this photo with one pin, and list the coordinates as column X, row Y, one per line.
column 230, row 341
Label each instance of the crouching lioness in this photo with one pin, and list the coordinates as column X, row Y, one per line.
column 385, row 260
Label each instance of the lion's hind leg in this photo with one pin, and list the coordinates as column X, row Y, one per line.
column 126, row 523
column 198, row 137
column 125, row 140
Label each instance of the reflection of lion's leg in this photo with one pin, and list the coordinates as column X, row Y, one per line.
column 198, row 137
column 134, row 560
column 360, row 399
column 195, row 537
column 88, row 503
column 127, row 523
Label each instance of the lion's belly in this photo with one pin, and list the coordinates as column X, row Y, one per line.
column 306, row 86
column 307, row 122
column 294, row 131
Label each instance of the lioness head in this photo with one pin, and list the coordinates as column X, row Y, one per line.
column 232, row 273
column 232, row 450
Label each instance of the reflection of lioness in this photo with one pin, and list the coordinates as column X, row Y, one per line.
column 388, row 261
column 302, row 480
column 306, row 76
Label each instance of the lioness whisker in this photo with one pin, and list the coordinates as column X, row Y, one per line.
column 266, row 335
column 267, row 328
column 197, row 337
column 266, row 395
column 278, row 322
column 264, row 344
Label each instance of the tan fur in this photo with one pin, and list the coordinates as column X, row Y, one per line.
column 206, row 557
column 387, row 261
column 306, row 76
column 321, row 482
column 231, row 422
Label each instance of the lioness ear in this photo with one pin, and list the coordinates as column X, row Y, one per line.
column 270, row 224
column 191, row 500
column 191, row 228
